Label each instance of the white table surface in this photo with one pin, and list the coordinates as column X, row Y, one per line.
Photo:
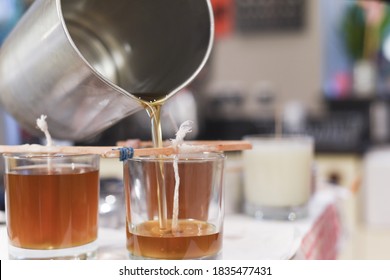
column 244, row 236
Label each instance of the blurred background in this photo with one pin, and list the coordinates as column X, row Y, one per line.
column 318, row 67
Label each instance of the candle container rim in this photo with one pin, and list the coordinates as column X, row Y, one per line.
column 46, row 155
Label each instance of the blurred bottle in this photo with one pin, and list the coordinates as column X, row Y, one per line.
column 10, row 12
column 294, row 117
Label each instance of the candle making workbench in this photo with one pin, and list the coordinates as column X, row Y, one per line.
column 316, row 237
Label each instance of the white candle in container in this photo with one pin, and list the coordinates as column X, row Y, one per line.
column 277, row 176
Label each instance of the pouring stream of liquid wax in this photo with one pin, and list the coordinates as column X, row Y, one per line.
column 153, row 105
column 154, row 112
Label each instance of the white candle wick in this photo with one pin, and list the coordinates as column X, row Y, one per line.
column 42, row 125
column 185, row 127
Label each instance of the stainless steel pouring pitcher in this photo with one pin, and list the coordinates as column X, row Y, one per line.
column 83, row 63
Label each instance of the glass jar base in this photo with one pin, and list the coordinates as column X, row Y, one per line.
column 84, row 252
column 289, row 213
column 217, row 256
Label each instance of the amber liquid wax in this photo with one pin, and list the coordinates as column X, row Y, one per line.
column 52, row 210
column 192, row 240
